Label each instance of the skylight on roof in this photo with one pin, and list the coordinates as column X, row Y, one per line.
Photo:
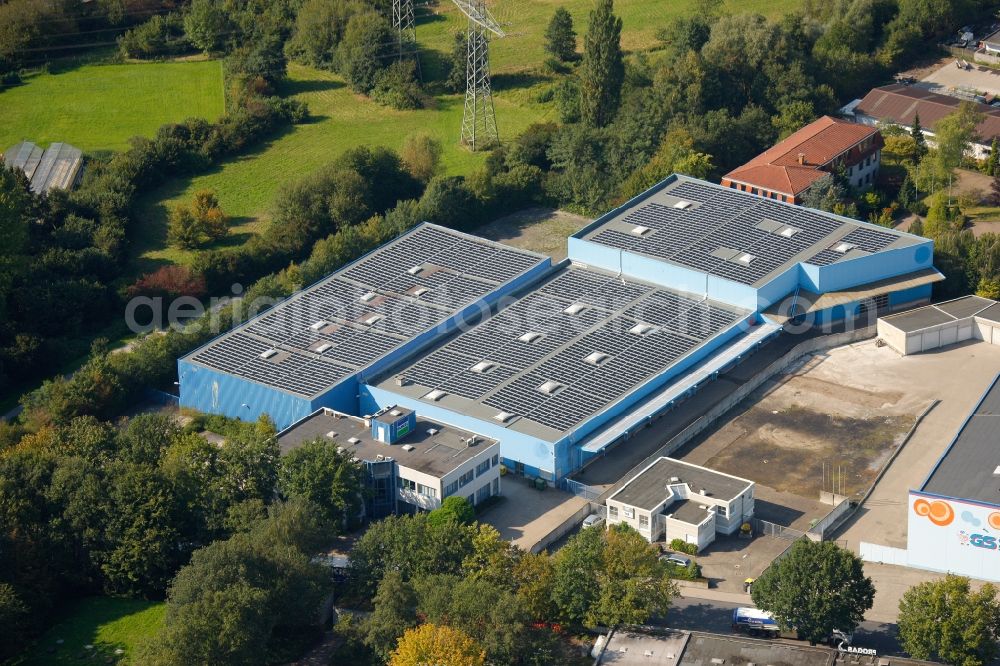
column 419, row 291
column 268, row 353
column 549, row 387
column 322, row 323
column 529, row 337
column 788, row 232
column 745, row 258
column 843, row 248
column 435, row 395
column 371, row 320
column 332, row 434
column 415, row 270
column 503, row 417
column 325, row 347
column 396, row 412
column 369, row 297
column 483, row 367
column 576, row 308
column 682, row 205
column 641, row 329
column 353, row 440
column 640, row 230
column 596, row 358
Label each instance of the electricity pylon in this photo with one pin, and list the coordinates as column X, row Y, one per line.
column 479, row 121
column 402, row 21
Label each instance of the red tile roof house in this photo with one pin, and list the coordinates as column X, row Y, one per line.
column 785, row 171
column 898, row 104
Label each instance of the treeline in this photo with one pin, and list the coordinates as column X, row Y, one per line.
column 422, row 570
column 94, row 507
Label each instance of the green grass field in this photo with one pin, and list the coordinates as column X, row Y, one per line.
column 106, row 624
column 99, row 107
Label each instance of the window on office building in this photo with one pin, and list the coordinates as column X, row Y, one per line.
column 722, row 511
column 407, row 484
column 613, row 512
column 629, row 512
column 643, row 521
column 496, row 460
column 465, row 478
column 450, row 488
column 426, row 491
column 483, row 467
column 482, row 494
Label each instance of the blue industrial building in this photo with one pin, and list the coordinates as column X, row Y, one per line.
column 655, row 297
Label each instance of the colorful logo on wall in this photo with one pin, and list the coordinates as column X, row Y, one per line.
column 938, row 512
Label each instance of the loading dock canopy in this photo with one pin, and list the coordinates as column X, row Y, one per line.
column 806, row 301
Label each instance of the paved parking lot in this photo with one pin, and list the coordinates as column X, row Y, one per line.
column 525, row 516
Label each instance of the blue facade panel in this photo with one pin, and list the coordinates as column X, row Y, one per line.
column 920, row 293
column 218, row 393
column 863, row 270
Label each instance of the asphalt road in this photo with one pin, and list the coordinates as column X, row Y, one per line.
column 716, row 617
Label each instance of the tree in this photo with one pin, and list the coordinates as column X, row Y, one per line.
column 577, row 567
column 183, row 229
column 901, row 148
column 944, row 620
column 953, row 136
column 829, row 193
column 421, row 154
column 560, row 38
column 993, row 164
column 438, row 645
column 454, row 508
column 676, row 154
column 330, row 479
column 603, row 69
column 816, row 588
column 634, row 584
column 362, row 53
column 395, row 612
column 917, row 132
column 206, row 24
column 208, row 215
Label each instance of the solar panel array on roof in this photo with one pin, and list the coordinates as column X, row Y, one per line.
column 731, row 234
column 555, row 364
column 354, row 317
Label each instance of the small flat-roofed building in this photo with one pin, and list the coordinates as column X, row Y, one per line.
column 954, row 518
column 671, row 499
column 60, row 166
column 942, row 324
column 786, row 170
column 411, row 462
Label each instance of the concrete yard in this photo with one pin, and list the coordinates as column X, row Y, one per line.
column 828, row 425
column 949, row 77
column 527, row 516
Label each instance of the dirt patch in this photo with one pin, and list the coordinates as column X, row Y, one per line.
column 541, row 230
column 795, row 448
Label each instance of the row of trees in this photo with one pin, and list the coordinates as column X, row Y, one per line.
column 94, row 507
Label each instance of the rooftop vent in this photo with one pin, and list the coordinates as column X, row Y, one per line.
column 596, row 358
column 416, row 270
column 268, row 353
column 529, row 337
column 703, row 507
column 576, row 308
column 419, row 291
column 675, row 479
column 372, row 320
column 369, row 297
column 400, row 380
column 996, row 472
column 682, row 205
column 843, row 248
column 320, row 324
column 483, row 367
column 788, row 232
column 331, row 434
column 641, row 329
column 704, row 491
column 432, row 431
column 396, row 412
column 325, row 347
column 640, row 230
column 503, row 417
column 435, row 395
column 745, row 258
column 549, row 387
column 353, row 440
column 407, row 447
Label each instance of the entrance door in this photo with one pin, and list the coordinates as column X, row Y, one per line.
column 519, row 468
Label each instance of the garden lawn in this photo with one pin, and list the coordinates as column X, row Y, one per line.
column 106, row 624
column 99, row 107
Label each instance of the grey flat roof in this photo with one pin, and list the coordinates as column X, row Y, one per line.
column 366, row 310
column 721, row 227
column 434, row 454
column 701, row 649
column 588, row 345
column 648, row 488
column 687, row 511
column 967, row 469
column 628, row 648
column 991, row 313
column 942, row 313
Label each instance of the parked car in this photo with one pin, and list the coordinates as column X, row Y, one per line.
column 592, row 519
column 676, row 558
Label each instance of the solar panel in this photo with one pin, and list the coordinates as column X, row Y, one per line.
column 593, row 355
column 360, row 314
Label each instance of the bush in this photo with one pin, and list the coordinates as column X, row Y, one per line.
column 159, row 36
column 397, row 86
column 169, row 282
column 682, row 546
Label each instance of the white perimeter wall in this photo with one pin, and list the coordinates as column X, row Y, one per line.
column 942, row 335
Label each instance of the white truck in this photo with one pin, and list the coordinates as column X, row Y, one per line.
column 756, row 622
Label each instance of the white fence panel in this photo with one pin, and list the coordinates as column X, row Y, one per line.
column 873, row 552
